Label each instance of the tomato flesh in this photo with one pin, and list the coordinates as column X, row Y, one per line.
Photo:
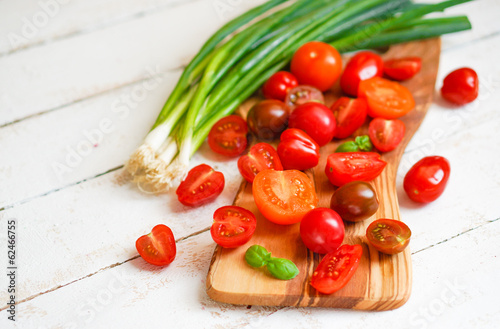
column 362, row 66
column 302, row 95
column 427, row 179
column 229, row 136
column 386, row 135
column 388, row 236
column 158, row 247
column 316, row 120
column 461, row 86
column 350, row 115
column 202, row 185
column 297, row 150
column 343, row 168
column 322, row 230
column 278, row 85
column 355, row 201
column 262, row 156
column 233, row 226
column 402, row 68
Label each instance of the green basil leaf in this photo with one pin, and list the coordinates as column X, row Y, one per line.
column 347, row 147
column 282, row 269
column 364, row 143
column 257, row 256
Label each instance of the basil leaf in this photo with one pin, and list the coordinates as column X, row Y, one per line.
column 282, row 269
column 347, row 147
column 364, row 143
column 257, row 256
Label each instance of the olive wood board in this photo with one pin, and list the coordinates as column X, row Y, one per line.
column 381, row 282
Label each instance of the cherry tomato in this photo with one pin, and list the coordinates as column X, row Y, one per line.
column 268, row 119
column 363, row 66
column 278, row 85
column 402, row 68
column 355, row 201
column 461, row 86
column 317, row 64
column 297, row 150
column 322, row 230
column 284, row 197
column 158, row 247
column 350, row 115
column 202, row 185
column 386, row 134
column 233, row 226
column 386, row 99
column 302, row 95
column 427, row 179
column 261, row 156
column 229, row 136
column 336, row 269
column 388, row 236
column 316, row 120
column 343, row 168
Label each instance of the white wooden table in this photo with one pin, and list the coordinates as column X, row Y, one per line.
column 82, row 81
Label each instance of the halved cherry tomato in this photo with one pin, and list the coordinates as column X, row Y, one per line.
column 229, row 136
column 316, row 120
column 262, row 156
column 388, row 236
column 355, row 201
column 284, row 197
column 297, row 150
column 302, row 95
column 268, row 119
column 278, row 85
column 350, row 115
column 336, row 269
column 427, row 179
column 202, row 185
column 402, row 68
column 386, row 134
column 362, row 66
column 461, row 86
column 158, row 247
column 343, row 168
column 322, row 230
column 386, row 99
column 233, row 226
column 317, row 64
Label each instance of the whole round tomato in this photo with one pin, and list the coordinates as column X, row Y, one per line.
column 202, row 185
column 233, row 226
column 355, row 201
column 363, row 66
column 284, row 197
column 386, row 134
column 268, row 119
column 388, row 236
column 302, row 95
column 343, row 168
column 316, row 120
column 262, row 156
column 317, row 64
column 427, row 179
column 278, row 85
column 297, row 150
column 322, row 230
column 350, row 115
column 402, row 68
column 461, row 86
column 158, row 247
column 229, row 136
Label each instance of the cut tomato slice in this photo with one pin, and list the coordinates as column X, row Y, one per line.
column 229, row 136
column 158, row 247
column 262, row 156
column 402, row 68
column 233, row 226
column 343, row 168
column 202, row 185
column 350, row 114
column 388, row 236
column 386, row 134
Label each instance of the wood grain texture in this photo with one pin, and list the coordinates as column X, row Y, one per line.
column 382, row 282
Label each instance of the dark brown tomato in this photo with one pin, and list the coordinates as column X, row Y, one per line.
column 268, row 119
column 355, row 201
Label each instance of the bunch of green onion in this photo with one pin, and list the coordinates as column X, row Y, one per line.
column 241, row 56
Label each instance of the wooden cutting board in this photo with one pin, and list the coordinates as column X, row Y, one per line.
column 382, row 282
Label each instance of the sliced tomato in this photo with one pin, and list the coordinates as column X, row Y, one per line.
column 350, row 115
column 386, row 99
column 388, row 236
column 362, row 66
column 158, row 247
column 402, row 68
column 262, row 156
column 343, row 168
column 202, row 185
column 336, row 269
column 229, row 136
column 386, row 134
column 284, row 197
column 233, row 226
column 302, row 95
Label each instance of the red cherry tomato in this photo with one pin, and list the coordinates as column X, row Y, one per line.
column 388, row 236
column 297, row 150
column 461, row 86
column 350, row 115
column 284, row 197
column 268, row 119
column 158, row 247
column 402, row 68
column 262, row 156
column 233, row 226
column 336, row 269
column 386, row 134
column 317, row 64
column 363, row 66
column 202, row 185
column 278, row 85
column 427, row 179
column 316, row 120
column 302, row 95
column 322, row 230
column 343, row 168
column 229, row 136
column 386, row 99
